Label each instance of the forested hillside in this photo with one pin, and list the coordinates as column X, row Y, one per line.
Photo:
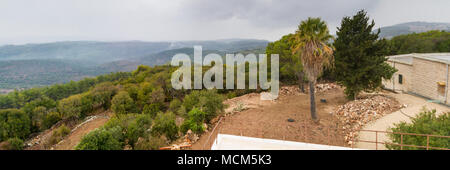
column 412, row 27
column 140, row 99
column 426, row 42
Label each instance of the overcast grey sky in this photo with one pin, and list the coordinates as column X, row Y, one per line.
column 33, row 21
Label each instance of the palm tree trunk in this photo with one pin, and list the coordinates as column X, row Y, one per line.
column 301, row 83
column 313, row 101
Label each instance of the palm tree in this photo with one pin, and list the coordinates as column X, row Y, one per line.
column 311, row 46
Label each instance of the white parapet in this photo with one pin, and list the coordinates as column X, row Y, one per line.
column 232, row 142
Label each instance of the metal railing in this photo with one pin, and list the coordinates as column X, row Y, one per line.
column 212, row 133
column 328, row 133
column 402, row 145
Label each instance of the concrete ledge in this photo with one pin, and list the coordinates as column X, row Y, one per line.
column 232, row 142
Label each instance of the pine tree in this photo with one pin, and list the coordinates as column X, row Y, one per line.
column 360, row 56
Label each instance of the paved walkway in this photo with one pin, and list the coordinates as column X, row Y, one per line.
column 414, row 106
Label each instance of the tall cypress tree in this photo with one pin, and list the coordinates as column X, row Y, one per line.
column 360, row 56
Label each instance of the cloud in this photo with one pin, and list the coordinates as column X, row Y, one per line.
column 273, row 13
column 25, row 21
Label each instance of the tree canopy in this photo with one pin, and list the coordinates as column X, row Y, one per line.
column 426, row 42
column 360, row 57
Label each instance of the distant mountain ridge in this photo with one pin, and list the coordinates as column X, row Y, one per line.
column 30, row 65
column 412, row 27
column 104, row 52
column 31, row 73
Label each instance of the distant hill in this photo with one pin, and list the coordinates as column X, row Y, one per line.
column 30, row 65
column 229, row 45
column 104, row 52
column 412, row 27
column 165, row 57
column 94, row 52
column 31, row 73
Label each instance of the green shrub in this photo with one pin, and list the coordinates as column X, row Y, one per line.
column 122, row 103
column 134, row 126
column 102, row 94
column 138, row 128
column 174, row 105
column 58, row 134
column 14, row 144
column 120, row 120
column 194, row 122
column 152, row 109
column 149, row 94
column 44, row 103
column 209, row 101
column 157, row 95
column 231, row 95
column 132, row 90
column 150, row 143
column 37, row 117
column 14, row 123
column 425, row 123
column 50, row 119
column 164, row 124
column 182, row 111
column 102, row 139
column 71, row 107
column 87, row 102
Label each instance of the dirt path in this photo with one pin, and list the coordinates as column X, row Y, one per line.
column 414, row 105
column 269, row 119
column 70, row 141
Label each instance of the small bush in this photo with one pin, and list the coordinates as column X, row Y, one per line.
column 50, row 119
column 134, row 126
column 152, row 109
column 122, row 103
column 120, row 120
column 164, row 124
column 14, row 144
column 71, row 107
column 14, row 123
column 194, row 122
column 138, row 128
column 425, row 123
column 58, row 134
column 102, row 94
column 182, row 112
column 174, row 105
column 231, row 95
column 37, row 117
column 102, row 139
column 209, row 101
column 151, row 143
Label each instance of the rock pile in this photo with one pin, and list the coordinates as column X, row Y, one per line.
column 295, row 90
column 355, row 114
column 289, row 90
column 325, row 87
column 191, row 137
